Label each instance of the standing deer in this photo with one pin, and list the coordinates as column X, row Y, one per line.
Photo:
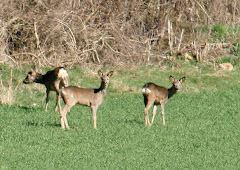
column 158, row 95
column 53, row 80
column 88, row 97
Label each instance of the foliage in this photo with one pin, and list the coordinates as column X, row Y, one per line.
column 114, row 32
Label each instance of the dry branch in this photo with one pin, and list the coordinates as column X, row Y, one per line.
column 112, row 32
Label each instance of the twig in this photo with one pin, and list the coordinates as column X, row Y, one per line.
column 72, row 35
column 203, row 9
column 36, row 34
column 180, row 42
column 10, row 58
column 170, row 37
column 28, row 54
column 97, row 56
column 114, row 50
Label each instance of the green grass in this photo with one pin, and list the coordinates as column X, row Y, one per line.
column 202, row 125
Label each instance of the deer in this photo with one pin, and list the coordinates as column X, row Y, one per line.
column 157, row 95
column 53, row 80
column 93, row 98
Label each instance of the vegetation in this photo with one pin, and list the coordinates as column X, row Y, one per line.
column 116, row 32
column 202, row 123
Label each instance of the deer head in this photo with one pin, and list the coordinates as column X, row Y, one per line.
column 31, row 76
column 176, row 83
column 105, row 78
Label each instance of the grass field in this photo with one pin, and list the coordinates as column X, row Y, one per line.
column 202, row 123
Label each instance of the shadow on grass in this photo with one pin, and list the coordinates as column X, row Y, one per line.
column 25, row 108
column 43, row 124
column 29, row 108
column 132, row 122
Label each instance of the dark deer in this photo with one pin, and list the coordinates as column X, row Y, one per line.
column 53, row 80
column 158, row 95
column 88, row 97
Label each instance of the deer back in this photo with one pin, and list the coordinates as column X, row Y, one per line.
column 154, row 92
column 58, row 76
column 76, row 95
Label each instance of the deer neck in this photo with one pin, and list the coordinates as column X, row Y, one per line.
column 102, row 89
column 39, row 78
column 172, row 91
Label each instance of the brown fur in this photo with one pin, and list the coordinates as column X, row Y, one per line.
column 158, row 95
column 52, row 80
column 88, row 97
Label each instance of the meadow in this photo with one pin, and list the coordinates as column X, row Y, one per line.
column 202, row 122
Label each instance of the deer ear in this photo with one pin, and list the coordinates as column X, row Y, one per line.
column 34, row 68
column 100, row 73
column 110, row 73
column 182, row 79
column 171, row 78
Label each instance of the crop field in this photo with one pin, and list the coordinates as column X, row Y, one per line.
column 202, row 128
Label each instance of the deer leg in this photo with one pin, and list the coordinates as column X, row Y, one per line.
column 47, row 99
column 63, row 116
column 56, row 86
column 58, row 103
column 163, row 117
column 154, row 113
column 147, row 107
column 62, row 122
column 94, row 116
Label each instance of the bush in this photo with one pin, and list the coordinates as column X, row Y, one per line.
column 109, row 32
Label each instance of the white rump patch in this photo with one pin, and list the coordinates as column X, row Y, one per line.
column 62, row 73
column 146, row 91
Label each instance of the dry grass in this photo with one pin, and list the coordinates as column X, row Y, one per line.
column 122, row 86
column 90, row 71
column 7, row 94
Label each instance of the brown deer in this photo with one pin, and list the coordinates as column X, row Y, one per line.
column 88, row 97
column 53, row 80
column 158, row 95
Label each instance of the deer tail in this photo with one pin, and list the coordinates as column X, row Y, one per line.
column 146, row 90
column 62, row 73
